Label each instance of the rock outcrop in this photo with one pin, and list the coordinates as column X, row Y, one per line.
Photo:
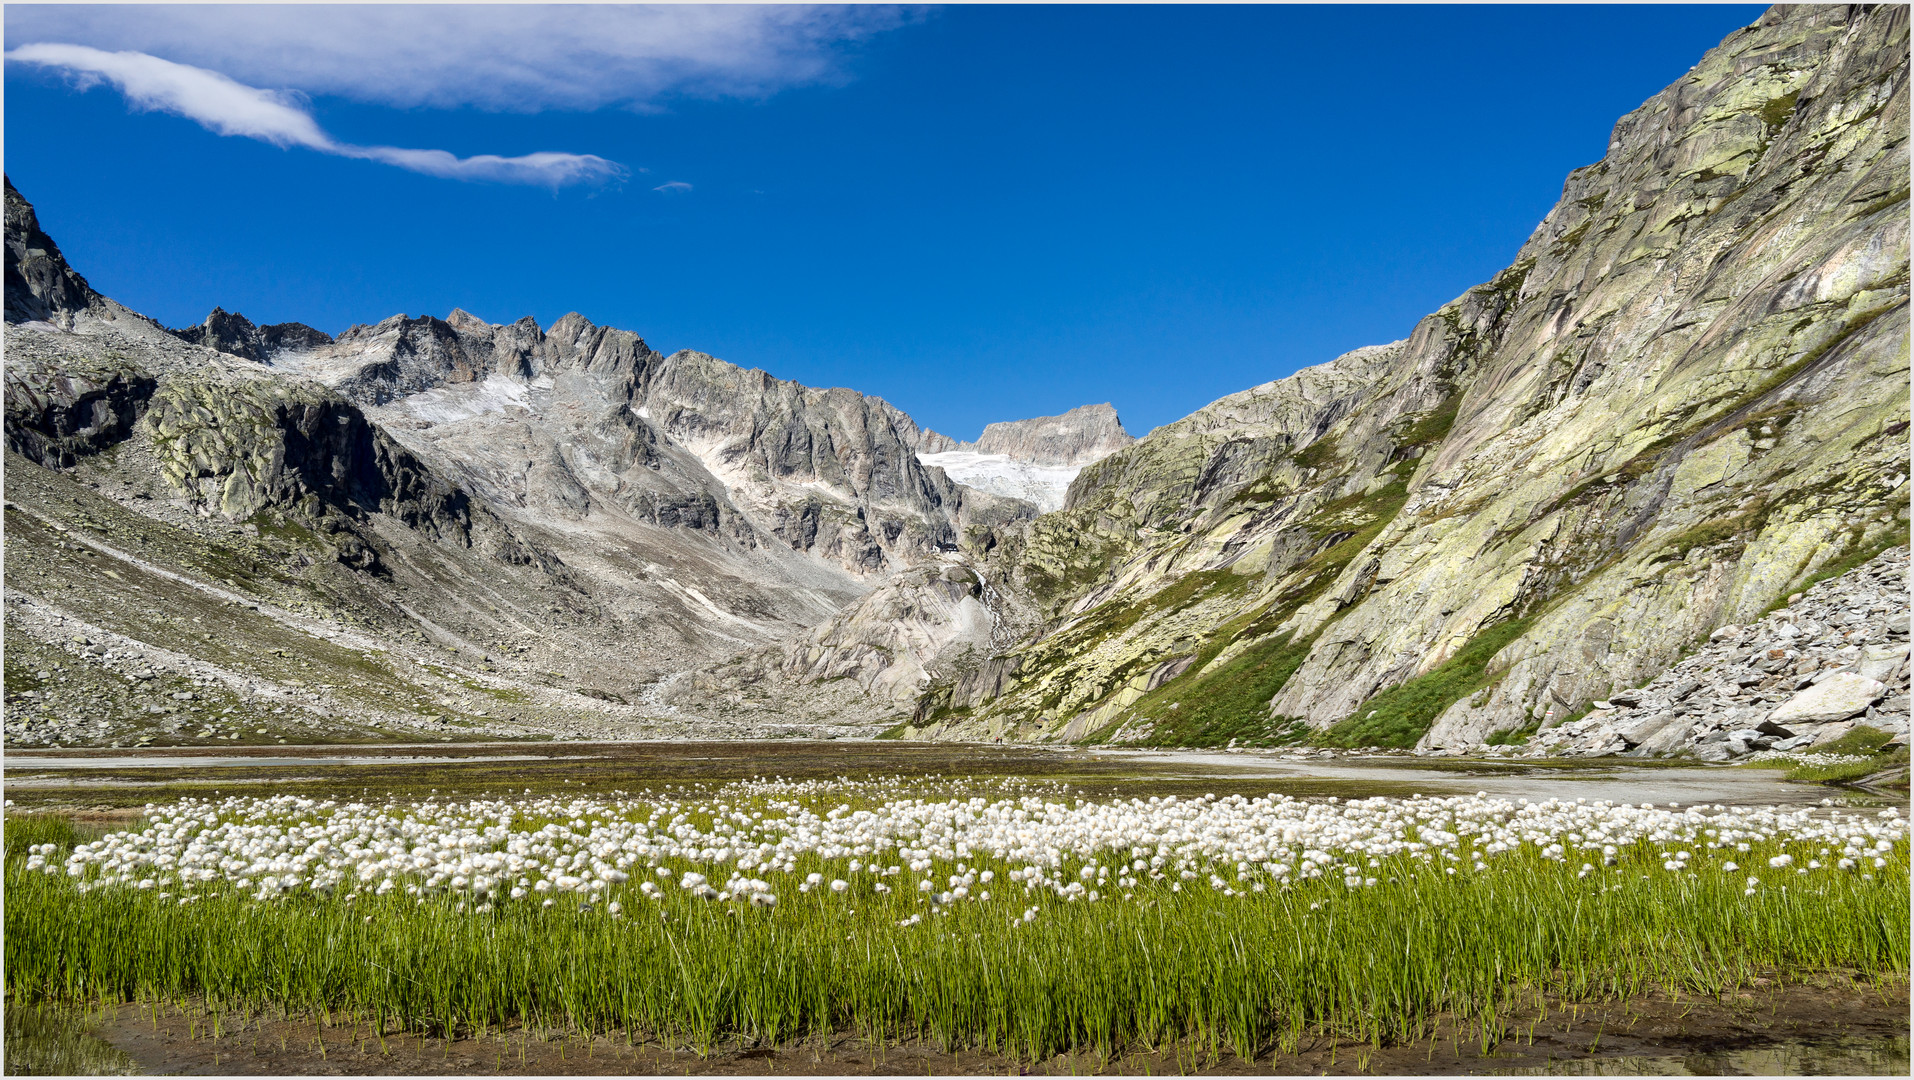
column 57, row 413
column 235, row 334
column 1085, row 434
column 1685, row 396
column 1801, row 676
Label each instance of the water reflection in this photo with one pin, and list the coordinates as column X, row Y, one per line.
column 56, row 1040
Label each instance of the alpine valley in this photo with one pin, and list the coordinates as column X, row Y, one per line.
column 1645, row 492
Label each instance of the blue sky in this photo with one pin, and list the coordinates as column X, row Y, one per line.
column 978, row 213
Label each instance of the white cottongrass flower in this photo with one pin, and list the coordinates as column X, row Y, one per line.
column 473, row 854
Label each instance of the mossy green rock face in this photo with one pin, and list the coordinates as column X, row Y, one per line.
column 241, row 445
column 1687, row 393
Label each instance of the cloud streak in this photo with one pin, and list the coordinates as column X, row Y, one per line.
column 229, row 107
column 502, row 57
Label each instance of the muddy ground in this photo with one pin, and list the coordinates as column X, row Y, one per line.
column 1832, row 1025
column 109, row 779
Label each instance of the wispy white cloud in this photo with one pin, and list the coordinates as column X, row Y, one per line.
column 214, row 100
column 673, row 187
column 508, row 57
column 228, row 107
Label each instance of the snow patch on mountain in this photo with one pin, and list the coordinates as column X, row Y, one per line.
column 462, row 401
column 999, row 474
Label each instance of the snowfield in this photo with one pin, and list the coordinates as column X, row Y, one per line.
column 1044, row 485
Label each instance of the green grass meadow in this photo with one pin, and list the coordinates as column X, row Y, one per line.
column 1248, row 973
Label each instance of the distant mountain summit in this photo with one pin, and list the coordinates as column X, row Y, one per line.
column 232, row 333
column 1085, row 434
column 1033, row 460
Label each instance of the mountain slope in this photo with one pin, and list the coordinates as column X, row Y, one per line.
column 524, row 530
column 1687, row 393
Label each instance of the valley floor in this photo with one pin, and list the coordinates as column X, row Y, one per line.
column 111, row 780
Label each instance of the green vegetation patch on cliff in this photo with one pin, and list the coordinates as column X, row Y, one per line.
column 1861, row 549
column 1231, row 702
column 1112, row 619
column 1065, row 556
column 1432, row 426
column 1210, row 706
column 1402, row 714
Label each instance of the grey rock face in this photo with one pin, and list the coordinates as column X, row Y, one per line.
column 685, row 439
column 59, row 413
column 931, row 620
column 1085, row 434
column 41, row 287
column 930, row 442
column 234, row 334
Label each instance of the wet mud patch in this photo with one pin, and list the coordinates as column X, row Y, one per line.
column 69, row 780
column 475, row 771
column 1828, row 1025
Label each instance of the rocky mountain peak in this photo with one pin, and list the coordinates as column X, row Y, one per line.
column 461, row 319
column 41, row 287
column 232, row 333
column 1085, row 434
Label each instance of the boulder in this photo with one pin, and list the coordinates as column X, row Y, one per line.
column 1881, row 662
column 1836, row 697
column 1646, row 728
column 1827, row 733
column 1719, row 750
